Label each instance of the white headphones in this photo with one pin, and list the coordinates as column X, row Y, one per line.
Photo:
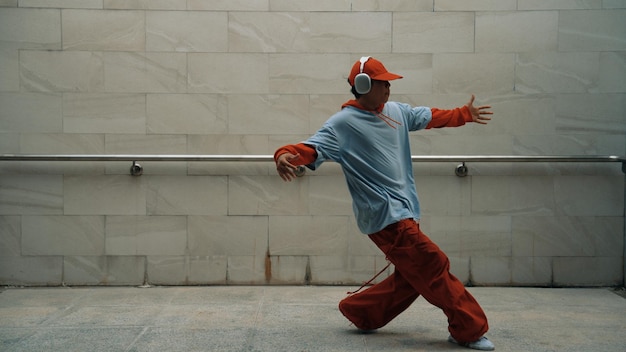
column 362, row 81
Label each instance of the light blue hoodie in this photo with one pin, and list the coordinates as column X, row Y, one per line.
column 374, row 152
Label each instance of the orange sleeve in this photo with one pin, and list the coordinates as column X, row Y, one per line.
column 307, row 153
column 450, row 118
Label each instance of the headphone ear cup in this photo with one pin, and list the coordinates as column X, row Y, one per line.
column 362, row 83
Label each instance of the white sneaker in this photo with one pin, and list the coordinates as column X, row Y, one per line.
column 482, row 344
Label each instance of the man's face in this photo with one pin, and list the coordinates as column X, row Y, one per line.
column 380, row 92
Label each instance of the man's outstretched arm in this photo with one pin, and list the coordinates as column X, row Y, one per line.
column 460, row 116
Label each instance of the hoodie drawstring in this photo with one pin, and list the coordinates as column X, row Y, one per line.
column 388, row 120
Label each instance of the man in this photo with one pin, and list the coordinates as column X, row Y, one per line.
column 369, row 138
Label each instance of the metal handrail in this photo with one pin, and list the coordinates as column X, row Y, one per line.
column 260, row 158
column 461, row 169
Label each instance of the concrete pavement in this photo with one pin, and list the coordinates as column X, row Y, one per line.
column 294, row 318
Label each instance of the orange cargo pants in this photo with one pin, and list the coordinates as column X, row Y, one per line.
column 421, row 268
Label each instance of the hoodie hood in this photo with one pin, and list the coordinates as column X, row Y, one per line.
column 355, row 104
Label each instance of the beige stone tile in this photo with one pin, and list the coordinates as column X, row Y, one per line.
column 146, row 235
column 207, row 270
column 343, row 32
column 125, row 270
column 30, row 28
column 491, row 270
column 229, row 5
column 58, row 143
column 612, row 72
column 164, row 72
column 104, row 195
column 289, row 270
column 441, row 196
column 563, row 236
column 228, row 235
column 31, row 270
column 308, row 235
column 557, row 72
column 558, row 4
column 574, row 196
column 398, row 6
column 145, row 144
column 310, row 73
column 588, row 271
column 145, row 4
column 434, row 32
column 532, row 271
column 488, row 236
column 460, row 267
column 520, row 115
column 480, row 74
column 592, row 30
column 186, row 195
column 71, row 4
column 185, row 114
column 476, row 5
column 246, row 270
column 310, row 6
column 84, row 270
column 268, row 114
column 167, row 270
column 31, row 112
column 9, row 143
column 31, row 194
column 268, row 32
column 493, row 195
column 517, row 31
column 61, row 71
column 10, row 241
column 266, row 195
column 228, row 73
column 329, row 196
column 590, row 114
column 104, row 113
column 9, row 68
column 330, row 270
column 104, row 30
column 64, row 235
column 613, row 4
column 186, row 31
column 229, row 144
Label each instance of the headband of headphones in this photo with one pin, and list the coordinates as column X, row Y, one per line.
column 362, row 81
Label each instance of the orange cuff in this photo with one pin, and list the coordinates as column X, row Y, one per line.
column 307, row 153
column 450, row 118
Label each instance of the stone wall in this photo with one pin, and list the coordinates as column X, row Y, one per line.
column 244, row 77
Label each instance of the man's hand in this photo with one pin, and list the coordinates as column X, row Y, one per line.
column 479, row 114
column 284, row 166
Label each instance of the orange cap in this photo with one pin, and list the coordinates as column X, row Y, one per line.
column 374, row 68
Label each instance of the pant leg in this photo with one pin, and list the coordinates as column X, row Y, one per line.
column 421, row 263
column 376, row 306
